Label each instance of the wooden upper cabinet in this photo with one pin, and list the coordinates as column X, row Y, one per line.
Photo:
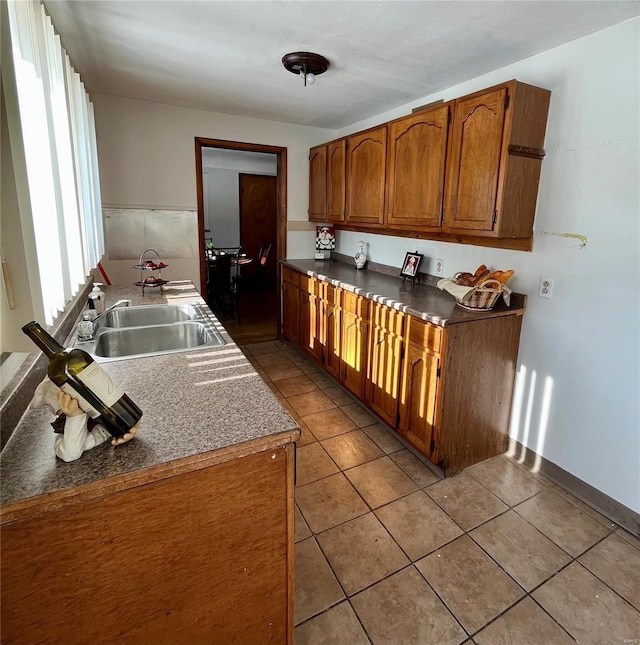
column 318, row 183
column 495, row 160
column 416, row 168
column 366, row 171
column 336, row 180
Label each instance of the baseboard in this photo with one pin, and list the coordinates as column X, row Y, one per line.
column 607, row 506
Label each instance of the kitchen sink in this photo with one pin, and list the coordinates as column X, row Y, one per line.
column 145, row 315
column 150, row 330
column 154, row 339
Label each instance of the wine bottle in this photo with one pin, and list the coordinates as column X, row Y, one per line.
column 77, row 374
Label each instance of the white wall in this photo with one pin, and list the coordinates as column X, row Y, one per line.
column 146, row 153
column 577, row 398
column 222, row 206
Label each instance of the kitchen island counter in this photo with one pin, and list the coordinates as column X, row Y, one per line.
column 199, row 407
column 185, row 534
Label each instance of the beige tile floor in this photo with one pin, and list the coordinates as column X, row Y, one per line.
column 387, row 553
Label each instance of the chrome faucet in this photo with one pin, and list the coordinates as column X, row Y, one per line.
column 87, row 328
column 119, row 303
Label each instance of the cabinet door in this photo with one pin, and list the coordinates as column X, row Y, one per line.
column 310, row 320
column 336, row 180
column 317, row 183
column 290, row 311
column 366, row 165
column 385, row 354
column 474, row 162
column 418, row 397
column 416, row 169
column 331, row 339
column 353, row 343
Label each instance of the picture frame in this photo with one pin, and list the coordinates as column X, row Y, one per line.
column 411, row 265
column 325, row 241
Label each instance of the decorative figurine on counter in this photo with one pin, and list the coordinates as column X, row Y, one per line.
column 360, row 257
column 76, row 431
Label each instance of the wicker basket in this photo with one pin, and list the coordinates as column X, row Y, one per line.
column 484, row 297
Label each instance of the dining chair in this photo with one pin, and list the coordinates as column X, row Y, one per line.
column 263, row 255
column 224, row 286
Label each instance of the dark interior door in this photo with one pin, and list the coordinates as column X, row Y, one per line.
column 258, row 220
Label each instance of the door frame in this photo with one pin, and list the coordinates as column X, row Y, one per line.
column 281, row 200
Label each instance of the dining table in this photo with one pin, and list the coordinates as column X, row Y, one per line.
column 242, row 260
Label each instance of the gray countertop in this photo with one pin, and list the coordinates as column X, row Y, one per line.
column 193, row 402
column 420, row 300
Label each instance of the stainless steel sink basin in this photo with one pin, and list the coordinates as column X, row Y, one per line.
column 153, row 339
column 149, row 330
column 150, row 315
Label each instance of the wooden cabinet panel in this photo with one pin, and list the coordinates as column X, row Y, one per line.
column 310, row 329
column 178, row 560
column 475, row 161
column 366, row 172
column 416, row 169
column 495, row 161
column 478, row 373
column 418, row 398
column 336, row 180
column 355, row 304
column 290, row 311
column 425, row 335
column 384, row 361
column 293, row 277
column 332, row 330
column 317, row 183
column 353, row 344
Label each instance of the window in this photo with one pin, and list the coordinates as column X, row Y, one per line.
column 58, row 133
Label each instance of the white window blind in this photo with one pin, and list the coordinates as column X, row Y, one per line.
column 58, row 131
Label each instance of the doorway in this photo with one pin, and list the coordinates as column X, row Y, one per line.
column 261, row 220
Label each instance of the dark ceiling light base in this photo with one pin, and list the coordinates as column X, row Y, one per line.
column 306, row 64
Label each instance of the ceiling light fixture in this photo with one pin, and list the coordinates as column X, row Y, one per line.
column 306, row 64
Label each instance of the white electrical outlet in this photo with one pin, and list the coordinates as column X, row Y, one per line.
column 438, row 267
column 546, row 287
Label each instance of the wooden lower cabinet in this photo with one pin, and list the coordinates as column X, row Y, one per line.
column 353, row 342
column 310, row 316
column 384, row 361
column 419, row 389
column 290, row 304
column 332, row 319
column 174, row 561
column 446, row 390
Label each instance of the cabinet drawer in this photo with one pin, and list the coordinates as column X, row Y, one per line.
column 424, row 334
column 386, row 318
column 354, row 304
column 332, row 294
column 288, row 275
column 311, row 286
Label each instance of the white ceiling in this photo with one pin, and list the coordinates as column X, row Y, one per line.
column 224, row 56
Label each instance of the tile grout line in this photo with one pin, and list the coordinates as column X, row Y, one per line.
column 612, row 529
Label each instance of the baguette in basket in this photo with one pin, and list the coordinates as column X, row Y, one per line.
column 478, row 291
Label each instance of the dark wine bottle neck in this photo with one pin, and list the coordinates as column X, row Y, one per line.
column 42, row 339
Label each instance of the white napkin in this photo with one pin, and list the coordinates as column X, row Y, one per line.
column 458, row 291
